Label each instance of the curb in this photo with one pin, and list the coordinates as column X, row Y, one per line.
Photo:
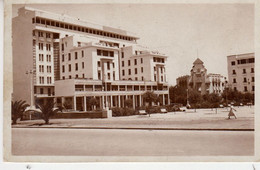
column 132, row 128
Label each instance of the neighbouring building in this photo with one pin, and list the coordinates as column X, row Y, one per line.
column 69, row 60
column 241, row 72
column 201, row 81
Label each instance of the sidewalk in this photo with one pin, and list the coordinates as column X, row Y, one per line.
column 202, row 119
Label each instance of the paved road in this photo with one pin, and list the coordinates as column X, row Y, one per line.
column 101, row 142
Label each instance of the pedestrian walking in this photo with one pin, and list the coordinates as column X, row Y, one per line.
column 231, row 112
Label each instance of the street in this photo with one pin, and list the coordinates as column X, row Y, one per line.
column 104, row 142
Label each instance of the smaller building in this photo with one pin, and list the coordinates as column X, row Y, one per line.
column 201, row 81
column 241, row 72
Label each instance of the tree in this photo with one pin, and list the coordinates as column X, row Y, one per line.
column 47, row 110
column 178, row 94
column 18, row 108
column 194, row 97
column 93, row 102
column 149, row 97
column 129, row 103
column 214, row 99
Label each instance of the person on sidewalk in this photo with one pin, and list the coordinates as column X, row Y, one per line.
column 231, row 112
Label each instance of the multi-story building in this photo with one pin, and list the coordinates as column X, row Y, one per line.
column 241, row 72
column 73, row 60
column 201, row 81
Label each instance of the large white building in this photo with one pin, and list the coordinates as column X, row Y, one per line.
column 241, row 72
column 72, row 60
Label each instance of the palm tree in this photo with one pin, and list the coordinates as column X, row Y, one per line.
column 149, row 97
column 18, row 108
column 47, row 110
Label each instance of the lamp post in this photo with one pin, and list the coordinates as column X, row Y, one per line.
column 31, row 73
column 226, row 91
column 106, row 104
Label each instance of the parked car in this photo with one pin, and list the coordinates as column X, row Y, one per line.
column 183, row 109
column 221, row 106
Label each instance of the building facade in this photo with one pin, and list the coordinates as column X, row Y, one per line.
column 70, row 60
column 201, row 81
column 241, row 72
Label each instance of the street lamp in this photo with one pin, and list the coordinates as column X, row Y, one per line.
column 106, row 104
column 31, row 73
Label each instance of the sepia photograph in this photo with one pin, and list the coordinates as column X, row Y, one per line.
column 102, row 82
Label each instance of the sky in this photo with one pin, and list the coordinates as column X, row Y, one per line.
column 183, row 32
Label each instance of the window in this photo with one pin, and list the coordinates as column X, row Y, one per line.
column 48, row 69
column 113, row 65
column 41, row 58
column 98, row 63
column 111, row 53
column 136, row 52
column 63, row 68
column 235, row 88
column 161, row 78
column 233, row 63
column 83, row 75
column 135, row 61
column 234, row 72
column 48, row 35
column 69, row 67
column 129, row 71
column 41, row 80
column 48, row 58
column 82, row 65
column 154, row 77
column 251, row 60
column 76, row 66
column 244, row 71
column 142, row 78
column 135, row 70
column 108, row 65
column 63, row 57
column 114, row 76
column 77, row 76
column 129, row 62
column 76, row 55
column 98, row 52
column 123, row 63
column 245, row 88
column 253, row 79
column 136, row 78
column 62, row 47
column 69, row 58
column 79, row 44
column 41, row 90
column 123, row 72
column 41, row 68
column 244, row 79
column 154, row 68
column 48, row 80
column 253, row 88
column 142, row 69
column 252, row 70
column 69, row 76
column 234, row 80
column 63, row 77
column 99, row 75
column 82, row 53
column 122, row 54
column 108, row 76
column 40, row 34
column 141, row 60
column 40, row 46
